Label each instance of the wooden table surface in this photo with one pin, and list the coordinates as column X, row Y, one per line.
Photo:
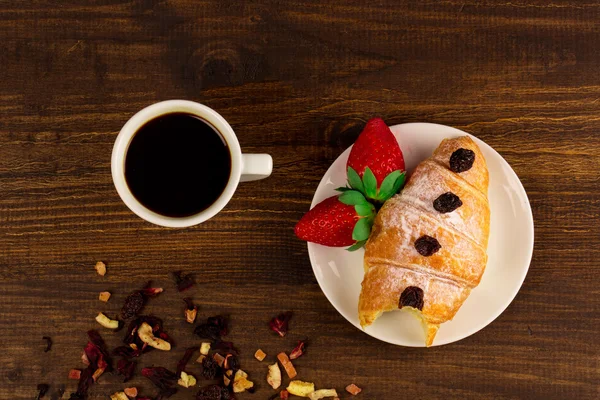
column 297, row 80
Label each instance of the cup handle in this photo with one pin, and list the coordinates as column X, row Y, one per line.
column 256, row 166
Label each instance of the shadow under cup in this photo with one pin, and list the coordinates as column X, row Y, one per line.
column 177, row 164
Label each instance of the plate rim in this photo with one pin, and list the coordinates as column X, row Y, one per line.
column 521, row 279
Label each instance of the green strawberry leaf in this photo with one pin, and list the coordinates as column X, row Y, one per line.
column 354, row 180
column 385, row 190
column 399, row 184
column 362, row 229
column 364, row 210
column 343, row 189
column 352, row 198
column 370, row 183
column 390, row 185
column 357, row 245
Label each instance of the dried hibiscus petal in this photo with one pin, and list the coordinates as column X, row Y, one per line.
column 126, row 369
column 213, row 328
column 183, row 282
column 163, row 379
column 42, row 390
column 220, row 322
column 298, row 350
column 48, row 343
column 280, row 323
column 225, row 347
column 185, row 359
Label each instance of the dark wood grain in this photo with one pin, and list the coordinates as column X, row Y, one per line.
column 297, row 80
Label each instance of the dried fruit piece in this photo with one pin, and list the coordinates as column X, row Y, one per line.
column 119, row 396
column 100, row 268
column 241, row 382
column 219, row 359
column 104, row 296
column 183, row 282
column 412, row 296
column 145, row 333
column 48, row 343
column 185, row 359
column 274, row 376
column 186, row 380
column 131, row 392
column 298, row 350
column 191, row 310
column 284, row 395
column 231, row 362
column 300, row 388
column 322, row 393
column 75, row 374
column 353, row 389
column 205, row 348
column 126, row 369
column 227, row 377
column 447, row 202
column 107, row 322
column 287, row 365
column 260, row 355
column 280, row 323
column 427, row 245
column 462, row 160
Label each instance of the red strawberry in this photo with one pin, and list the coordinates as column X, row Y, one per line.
column 378, row 149
column 338, row 221
column 376, row 153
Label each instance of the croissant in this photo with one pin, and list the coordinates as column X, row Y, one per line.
column 427, row 248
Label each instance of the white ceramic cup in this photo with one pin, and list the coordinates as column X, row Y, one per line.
column 244, row 167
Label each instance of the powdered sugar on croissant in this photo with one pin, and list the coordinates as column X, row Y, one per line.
column 427, row 249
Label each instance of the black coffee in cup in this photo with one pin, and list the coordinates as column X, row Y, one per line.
column 177, row 165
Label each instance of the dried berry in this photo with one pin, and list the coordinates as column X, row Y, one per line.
column 48, row 343
column 211, row 368
column 133, row 305
column 136, row 300
column 214, row 328
column 126, row 369
column 412, row 296
column 211, row 392
column 280, row 323
column 298, row 350
column 427, row 245
column 42, row 390
column 185, row 359
column 462, row 160
column 447, row 202
column 183, row 282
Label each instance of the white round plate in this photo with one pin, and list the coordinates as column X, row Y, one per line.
column 340, row 272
